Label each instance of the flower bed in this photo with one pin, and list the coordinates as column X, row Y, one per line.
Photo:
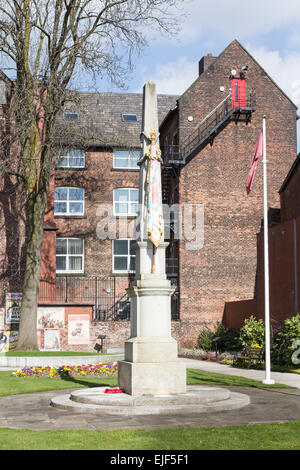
column 202, row 355
column 92, row 370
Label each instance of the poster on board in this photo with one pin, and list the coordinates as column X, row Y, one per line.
column 2, row 318
column 8, row 341
column 51, row 340
column 50, row 317
column 78, row 329
column 13, row 307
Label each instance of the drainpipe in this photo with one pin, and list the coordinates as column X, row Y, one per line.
column 296, row 266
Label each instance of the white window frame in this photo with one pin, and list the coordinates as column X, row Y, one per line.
column 127, row 256
column 68, row 256
column 129, row 212
column 68, row 202
column 129, row 159
column 68, row 157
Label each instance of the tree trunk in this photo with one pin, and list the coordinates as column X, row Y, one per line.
column 27, row 340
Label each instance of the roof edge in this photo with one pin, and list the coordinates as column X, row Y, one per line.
column 273, row 81
column 235, row 41
column 290, row 173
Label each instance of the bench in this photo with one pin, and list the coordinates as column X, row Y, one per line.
column 251, row 355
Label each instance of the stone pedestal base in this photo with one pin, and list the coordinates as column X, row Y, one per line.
column 155, row 378
column 151, row 349
column 197, row 399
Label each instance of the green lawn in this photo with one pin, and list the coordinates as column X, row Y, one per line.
column 15, row 385
column 269, row 436
column 255, row 437
column 48, row 353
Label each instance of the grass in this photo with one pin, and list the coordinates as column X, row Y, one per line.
column 252, row 437
column 48, row 353
column 284, row 436
column 201, row 377
column 16, row 385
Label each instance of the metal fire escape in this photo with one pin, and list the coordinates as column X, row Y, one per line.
column 176, row 156
column 226, row 111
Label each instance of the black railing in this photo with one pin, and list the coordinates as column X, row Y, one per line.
column 107, row 296
column 104, row 294
column 225, row 110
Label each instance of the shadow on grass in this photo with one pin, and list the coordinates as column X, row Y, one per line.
column 196, row 377
column 87, row 382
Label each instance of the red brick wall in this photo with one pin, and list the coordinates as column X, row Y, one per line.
column 282, row 297
column 99, row 180
column 225, row 268
column 290, row 197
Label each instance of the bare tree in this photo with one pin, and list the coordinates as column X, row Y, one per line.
column 45, row 42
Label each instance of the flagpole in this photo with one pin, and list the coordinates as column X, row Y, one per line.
column 267, row 379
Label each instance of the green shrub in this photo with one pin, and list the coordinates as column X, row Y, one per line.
column 205, row 339
column 253, row 332
column 282, row 349
column 229, row 340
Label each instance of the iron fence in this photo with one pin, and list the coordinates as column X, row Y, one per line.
column 107, row 296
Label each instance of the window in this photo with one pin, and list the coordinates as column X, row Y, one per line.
column 69, row 201
column 72, row 116
column 123, row 256
column 129, row 117
column 69, row 255
column 126, row 159
column 71, row 158
column 126, row 201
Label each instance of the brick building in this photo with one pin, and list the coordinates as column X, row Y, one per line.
column 284, row 261
column 216, row 138
column 208, row 136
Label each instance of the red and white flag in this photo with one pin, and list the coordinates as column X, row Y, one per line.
column 258, row 153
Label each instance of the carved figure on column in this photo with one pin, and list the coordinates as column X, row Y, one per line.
column 153, row 195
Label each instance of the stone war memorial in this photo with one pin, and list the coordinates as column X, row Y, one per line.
column 151, row 379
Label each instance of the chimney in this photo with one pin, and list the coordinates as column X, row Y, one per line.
column 205, row 62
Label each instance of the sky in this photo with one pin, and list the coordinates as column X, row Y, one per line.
column 268, row 29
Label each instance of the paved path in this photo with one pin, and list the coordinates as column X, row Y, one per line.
column 32, row 411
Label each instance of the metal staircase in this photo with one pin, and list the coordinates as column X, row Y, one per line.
column 209, row 127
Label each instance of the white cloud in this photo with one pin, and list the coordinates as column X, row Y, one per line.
column 176, row 76
column 236, row 19
column 172, row 78
column 284, row 69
